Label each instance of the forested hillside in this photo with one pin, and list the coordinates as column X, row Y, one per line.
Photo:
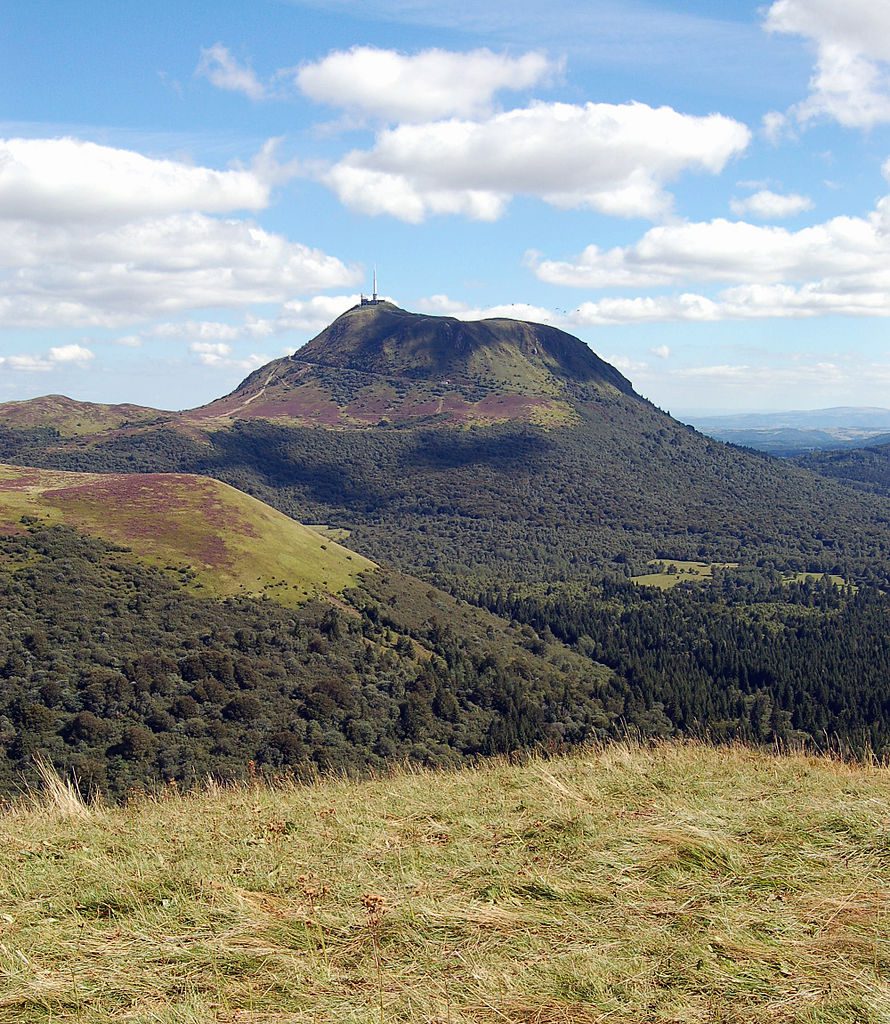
column 115, row 672
column 865, row 469
column 519, row 502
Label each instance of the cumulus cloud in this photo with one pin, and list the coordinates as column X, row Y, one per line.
column 219, row 355
column 851, row 79
column 424, row 86
column 78, row 275
column 850, row 249
column 93, row 235
column 61, row 355
column 839, row 267
column 614, row 158
column 220, row 68
column 768, row 205
column 661, row 351
column 53, row 180
column 442, row 305
column 646, row 309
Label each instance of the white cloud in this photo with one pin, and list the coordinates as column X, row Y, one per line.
column 767, row 205
column 612, row 158
column 211, row 353
column 850, row 249
column 220, row 68
column 442, row 305
column 109, row 276
column 70, row 354
column 838, row 268
column 646, row 309
column 67, row 355
column 201, row 330
column 54, row 180
column 661, row 351
column 92, row 235
column 776, row 126
column 419, row 87
column 219, row 355
column 851, row 80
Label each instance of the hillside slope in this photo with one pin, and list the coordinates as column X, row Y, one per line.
column 677, row 883
column 223, row 540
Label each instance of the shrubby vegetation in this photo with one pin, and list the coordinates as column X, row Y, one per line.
column 114, row 672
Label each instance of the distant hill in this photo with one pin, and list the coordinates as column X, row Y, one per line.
column 867, row 469
column 71, row 418
column 793, row 433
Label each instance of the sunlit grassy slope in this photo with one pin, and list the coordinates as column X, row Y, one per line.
column 679, row 883
column 225, row 541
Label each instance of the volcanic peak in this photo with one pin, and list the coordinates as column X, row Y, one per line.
column 385, row 339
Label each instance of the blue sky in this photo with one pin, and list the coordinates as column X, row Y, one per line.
column 700, row 191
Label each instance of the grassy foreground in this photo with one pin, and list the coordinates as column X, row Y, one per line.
column 677, row 883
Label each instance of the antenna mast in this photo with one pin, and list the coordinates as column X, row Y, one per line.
column 373, row 301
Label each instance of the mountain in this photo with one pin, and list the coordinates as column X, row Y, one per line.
column 489, row 451
column 381, row 365
column 839, row 417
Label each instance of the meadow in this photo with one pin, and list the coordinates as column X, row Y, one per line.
column 664, row 883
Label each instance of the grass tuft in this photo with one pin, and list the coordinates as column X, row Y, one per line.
column 58, row 797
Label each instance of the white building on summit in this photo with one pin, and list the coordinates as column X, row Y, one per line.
column 373, row 301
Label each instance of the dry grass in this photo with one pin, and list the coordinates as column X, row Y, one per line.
column 57, row 797
column 672, row 884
